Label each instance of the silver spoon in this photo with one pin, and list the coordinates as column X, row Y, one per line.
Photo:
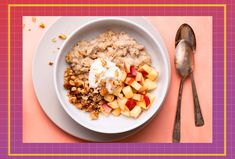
column 184, row 66
column 186, row 32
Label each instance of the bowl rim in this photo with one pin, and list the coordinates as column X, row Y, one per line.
column 129, row 22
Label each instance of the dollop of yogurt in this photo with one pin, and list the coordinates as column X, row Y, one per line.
column 103, row 69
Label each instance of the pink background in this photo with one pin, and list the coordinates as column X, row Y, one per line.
column 37, row 127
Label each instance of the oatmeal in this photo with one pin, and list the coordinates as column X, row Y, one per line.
column 116, row 46
column 111, row 74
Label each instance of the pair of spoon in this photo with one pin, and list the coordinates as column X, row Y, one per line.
column 185, row 43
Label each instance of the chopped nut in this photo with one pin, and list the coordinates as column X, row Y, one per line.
column 34, row 19
column 78, row 105
column 97, row 75
column 50, row 63
column 29, row 30
column 84, row 97
column 78, row 82
column 71, row 83
column 62, row 36
column 73, row 77
column 53, row 40
column 116, row 73
column 116, row 83
column 94, row 115
column 42, row 26
column 104, row 63
column 72, row 99
column 73, row 89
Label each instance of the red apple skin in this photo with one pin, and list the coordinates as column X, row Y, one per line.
column 140, row 82
column 129, row 81
column 107, row 108
column 146, row 100
column 144, row 73
column 129, row 75
column 130, row 104
column 133, row 71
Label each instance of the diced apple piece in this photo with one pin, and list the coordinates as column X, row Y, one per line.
column 113, row 104
column 120, row 95
column 143, row 89
column 136, row 85
column 135, row 112
column 146, row 100
column 123, row 76
column 122, row 103
column 137, row 97
column 139, row 77
column 127, row 91
column 133, row 72
column 151, row 97
column 117, row 91
column 150, row 84
column 106, row 109
column 116, row 112
column 147, row 68
column 129, row 80
column 134, row 91
column 127, row 67
column 153, row 75
column 125, row 112
column 130, row 104
column 109, row 97
column 141, row 104
column 143, row 72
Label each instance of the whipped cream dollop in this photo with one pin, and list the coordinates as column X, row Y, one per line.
column 103, row 69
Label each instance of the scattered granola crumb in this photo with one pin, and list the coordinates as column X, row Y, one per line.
column 34, row 19
column 42, row 25
column 53, row 40
column 50, row 63
column 58, row 48
column 62, row 36
column 29, row 30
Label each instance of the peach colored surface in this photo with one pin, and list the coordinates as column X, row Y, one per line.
column 37, row 127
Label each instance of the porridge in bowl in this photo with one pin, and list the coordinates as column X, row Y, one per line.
column 112, row 74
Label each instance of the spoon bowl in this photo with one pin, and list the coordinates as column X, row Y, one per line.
column 184, row 59
column 186, row 32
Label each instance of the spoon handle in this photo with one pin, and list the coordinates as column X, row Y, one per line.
column 199, row 121
column 176, row 131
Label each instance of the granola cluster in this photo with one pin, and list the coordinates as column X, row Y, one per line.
column 81, row 95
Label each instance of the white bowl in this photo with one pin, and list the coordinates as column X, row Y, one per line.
column 160, row 61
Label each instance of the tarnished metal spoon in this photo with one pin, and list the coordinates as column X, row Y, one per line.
column 184, row 66
column 186, row 32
